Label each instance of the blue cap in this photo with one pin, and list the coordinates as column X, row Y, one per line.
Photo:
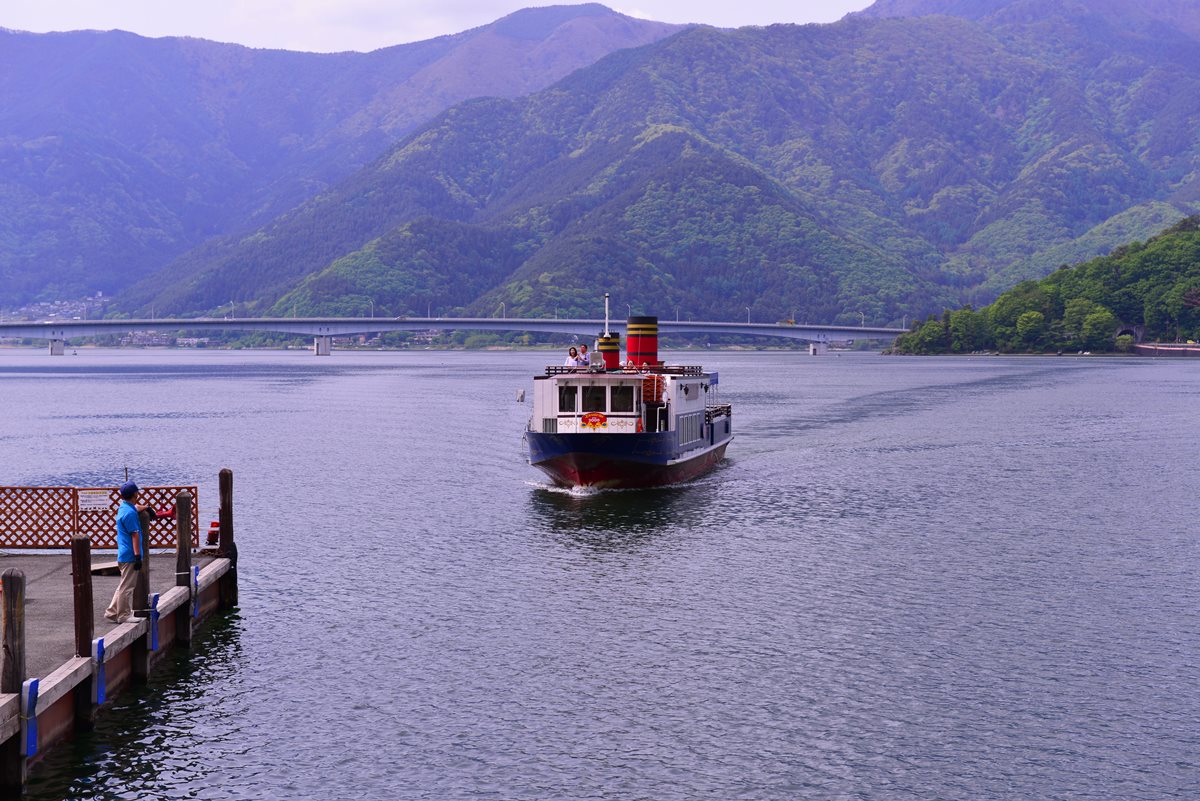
column 128, row 490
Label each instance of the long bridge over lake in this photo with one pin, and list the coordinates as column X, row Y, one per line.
column 324, row 329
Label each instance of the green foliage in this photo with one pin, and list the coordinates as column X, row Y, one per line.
column 1099, row 330
column 1005, row 314
column 969, row 331
column 428, row 267
column 1075, row 312
column 1031, row 328
column 1151, row 287
column 925, row 338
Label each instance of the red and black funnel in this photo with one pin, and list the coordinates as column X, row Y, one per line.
column 641, row 337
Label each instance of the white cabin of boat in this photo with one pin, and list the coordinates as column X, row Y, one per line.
column 629, row 401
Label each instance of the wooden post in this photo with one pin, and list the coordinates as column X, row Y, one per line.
column 81, row 574
column 85, row 626
column 227, row 548
column 139, row 650
column 12, row 676
column 183, row 565
column 225, row 513
column 141, row 586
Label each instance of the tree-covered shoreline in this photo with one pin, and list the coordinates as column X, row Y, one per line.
column 1145, row 290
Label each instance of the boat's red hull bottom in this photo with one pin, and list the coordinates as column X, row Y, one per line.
column 608, row 472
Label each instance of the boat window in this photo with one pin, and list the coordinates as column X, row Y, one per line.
column 593, row 399
column 622, row 399
column 566, row 398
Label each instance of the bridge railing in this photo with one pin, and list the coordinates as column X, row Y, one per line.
column 48, row 517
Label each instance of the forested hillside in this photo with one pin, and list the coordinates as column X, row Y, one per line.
column 1151, row 289
column 876, row 166
column 118, row 153
column 1167, row 18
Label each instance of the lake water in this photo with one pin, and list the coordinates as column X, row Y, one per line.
column 959, row 578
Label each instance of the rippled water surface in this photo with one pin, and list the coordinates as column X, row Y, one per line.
column 911, row 579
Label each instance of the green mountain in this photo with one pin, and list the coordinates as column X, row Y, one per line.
column 119, row 153
column 1160, row 17
column 879, row 166
column 1149, row 290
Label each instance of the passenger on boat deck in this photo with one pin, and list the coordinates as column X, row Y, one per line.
column 584, row 359
column 572, row 359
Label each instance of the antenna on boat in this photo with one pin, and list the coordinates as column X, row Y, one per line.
column 606, row 314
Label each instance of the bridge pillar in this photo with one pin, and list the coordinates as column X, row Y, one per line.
column 57, row 347
column 323, row 345
column 817, row 348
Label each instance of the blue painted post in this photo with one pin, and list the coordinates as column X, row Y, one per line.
column 29, row 730
column 101, row 684
column 196, row 591
column 154, row 622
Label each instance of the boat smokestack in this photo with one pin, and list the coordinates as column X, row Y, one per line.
column 609, row 347
column 641, row 337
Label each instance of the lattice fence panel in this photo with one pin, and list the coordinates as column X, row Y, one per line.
column 100, row 523
column 37, row 517
column 47, row 517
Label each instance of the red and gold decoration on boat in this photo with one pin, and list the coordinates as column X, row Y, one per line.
column 594, row 421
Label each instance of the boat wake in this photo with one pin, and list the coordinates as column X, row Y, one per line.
column 592, row 492
column 574, row 492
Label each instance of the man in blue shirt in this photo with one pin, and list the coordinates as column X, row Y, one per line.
column 129, row 554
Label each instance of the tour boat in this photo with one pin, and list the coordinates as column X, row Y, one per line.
column 623, row 425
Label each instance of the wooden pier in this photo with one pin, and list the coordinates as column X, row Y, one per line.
column 61, row 662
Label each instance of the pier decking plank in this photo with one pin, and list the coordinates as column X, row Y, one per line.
column 63, row 680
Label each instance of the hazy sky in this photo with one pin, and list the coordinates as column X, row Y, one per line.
column 327, row 25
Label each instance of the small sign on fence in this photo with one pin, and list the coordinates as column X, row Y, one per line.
column 94, row 499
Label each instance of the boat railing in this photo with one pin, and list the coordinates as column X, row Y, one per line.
column 559, row 369
column 658, row 369
column 717, row 410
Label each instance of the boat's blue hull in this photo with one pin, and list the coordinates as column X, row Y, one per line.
column 619, row 460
